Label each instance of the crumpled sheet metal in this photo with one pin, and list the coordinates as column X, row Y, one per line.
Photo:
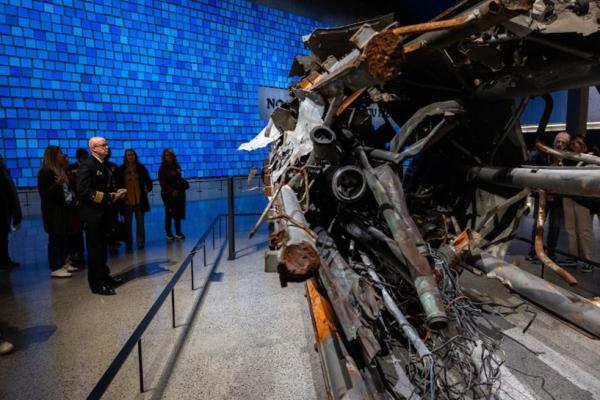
column 297, row 143
column 562, row 22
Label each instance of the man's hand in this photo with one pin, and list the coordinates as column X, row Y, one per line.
column 60, row 179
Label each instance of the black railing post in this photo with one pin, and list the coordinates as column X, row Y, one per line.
column 230, row 219
column 140, row 365
column 173, row 305
column 192, row 269
column 213, row 235
column 204, row 252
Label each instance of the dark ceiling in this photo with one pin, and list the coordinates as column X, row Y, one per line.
column 339, row 12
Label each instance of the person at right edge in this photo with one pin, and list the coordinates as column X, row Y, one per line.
column 578, row 218
column 172, row 191
column 554, row 204
column 95, row 200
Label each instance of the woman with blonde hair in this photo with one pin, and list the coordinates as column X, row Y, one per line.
column 56, row 197
column 172, row 191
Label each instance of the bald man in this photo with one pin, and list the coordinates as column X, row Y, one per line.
column 95, row 200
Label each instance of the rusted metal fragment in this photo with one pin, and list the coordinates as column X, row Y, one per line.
column 300, row 259
column 299, row 255
column 539, row 242
column 342, row 376
column 480, row 17
column 570, row 306
column 384, row 54
column 324, row 42
column 338, row 278
column 389, row 195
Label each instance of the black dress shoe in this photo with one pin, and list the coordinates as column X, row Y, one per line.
column 114, row 281
column 103, row 290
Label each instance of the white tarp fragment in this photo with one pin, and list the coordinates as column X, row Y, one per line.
column 268, row 135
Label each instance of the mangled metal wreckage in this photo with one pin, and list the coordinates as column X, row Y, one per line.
column 382, row 220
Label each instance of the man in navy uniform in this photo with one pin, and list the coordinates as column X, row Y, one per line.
column 95, row 199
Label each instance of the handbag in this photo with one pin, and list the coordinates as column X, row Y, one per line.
column 183, row 184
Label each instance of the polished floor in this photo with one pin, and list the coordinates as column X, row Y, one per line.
column 239, row 335
column 65, row 337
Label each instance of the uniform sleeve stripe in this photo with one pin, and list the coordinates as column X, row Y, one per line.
column 98, row 196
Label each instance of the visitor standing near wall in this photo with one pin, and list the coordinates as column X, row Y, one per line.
column 578, row 218
column 134, row 177
column 75, row 246
column 172, row 192
column 95, row 199
column 56, row 197
column 10, row 214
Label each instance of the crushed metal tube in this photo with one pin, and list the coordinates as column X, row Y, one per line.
column 381, row 215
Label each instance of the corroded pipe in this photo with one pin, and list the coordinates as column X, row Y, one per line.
column 567, row 155
column 584, row 182
column 299, row 256
column 390, row 198
column 570, row 306
column 539, row 243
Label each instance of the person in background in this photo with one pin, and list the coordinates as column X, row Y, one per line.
column 56, row 196
column 95, row 199
column 75, row 247
column 554, row 205
column 172, row 192
column 134, row 177
column 10, row 214
column 113, row 228
column 578, row 218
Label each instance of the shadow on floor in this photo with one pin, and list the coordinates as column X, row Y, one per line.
column 23, row 338
column 146, row 269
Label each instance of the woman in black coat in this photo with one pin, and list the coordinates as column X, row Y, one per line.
column 134, row 177
column 56, row 198
column 172, row 191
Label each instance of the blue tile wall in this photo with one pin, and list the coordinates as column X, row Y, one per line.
column 144, row 74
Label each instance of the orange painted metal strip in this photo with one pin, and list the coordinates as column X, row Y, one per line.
column 320, row 310
column 349, row 100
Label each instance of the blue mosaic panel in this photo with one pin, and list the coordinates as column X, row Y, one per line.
column 144, row 74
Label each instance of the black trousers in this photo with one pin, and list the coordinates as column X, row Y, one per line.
column 130, row 212
column 4, row 230
column 97, row 247
column 57, row 251
column 75, row 245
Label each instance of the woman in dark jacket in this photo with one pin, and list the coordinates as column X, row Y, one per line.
column 134, row 177
column 172, row 191
column 56, row 198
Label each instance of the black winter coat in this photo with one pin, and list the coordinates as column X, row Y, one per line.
column 55, row 211
column 145, row 183
column 94, row 185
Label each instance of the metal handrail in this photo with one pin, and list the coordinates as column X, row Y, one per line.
column 136, row 337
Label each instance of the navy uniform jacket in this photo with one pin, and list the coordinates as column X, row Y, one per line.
column 93, row 190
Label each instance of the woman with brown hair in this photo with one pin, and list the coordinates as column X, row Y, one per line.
column 56, row 197
column 172, row 191
column 134, row 177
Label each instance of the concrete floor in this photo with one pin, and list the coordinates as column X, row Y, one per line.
column 239, row 335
